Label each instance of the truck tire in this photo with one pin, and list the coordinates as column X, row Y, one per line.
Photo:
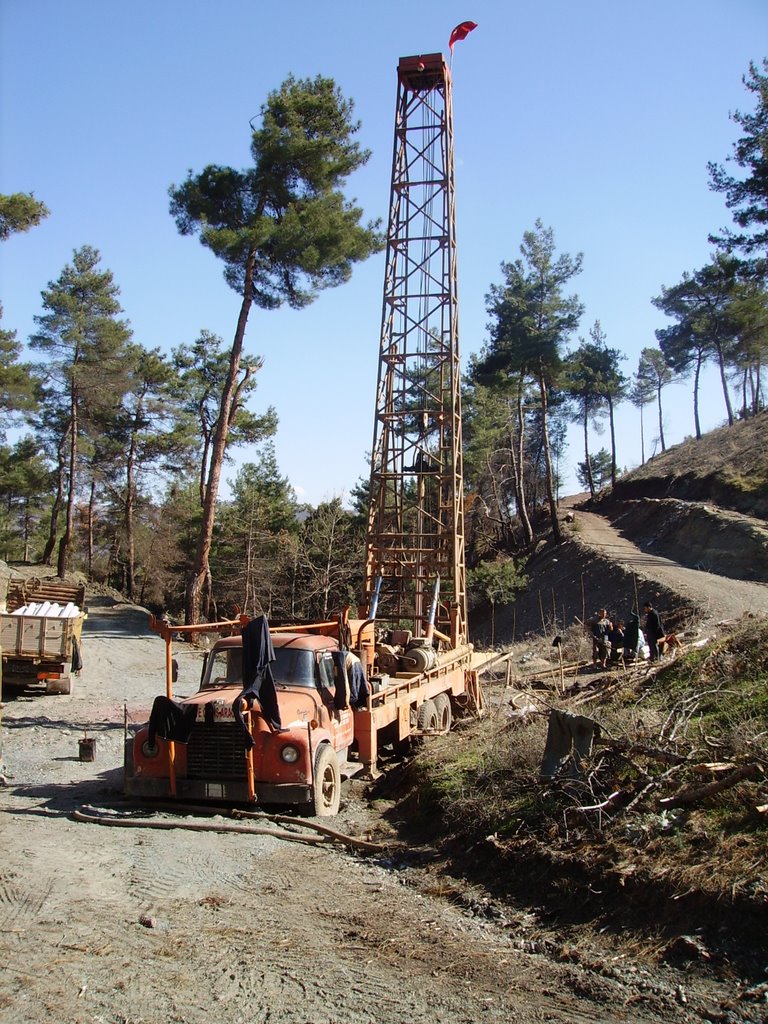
column 444, row 712
column 427, row 718
column 326, row 785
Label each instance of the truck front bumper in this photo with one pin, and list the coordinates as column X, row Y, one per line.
column 232, row 790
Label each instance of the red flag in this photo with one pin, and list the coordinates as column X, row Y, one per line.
column 461, row 32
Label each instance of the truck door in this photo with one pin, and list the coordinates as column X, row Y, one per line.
column 341, row 723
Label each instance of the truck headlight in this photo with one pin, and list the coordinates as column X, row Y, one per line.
column 290, row 754
column 148, row 750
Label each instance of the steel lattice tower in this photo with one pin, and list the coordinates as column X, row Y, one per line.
column 416, row 520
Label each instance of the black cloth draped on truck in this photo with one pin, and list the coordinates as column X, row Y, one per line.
column 171, row 721
column 258, row 681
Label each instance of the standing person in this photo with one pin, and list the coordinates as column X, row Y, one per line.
column 601, row 630
column 654, row 630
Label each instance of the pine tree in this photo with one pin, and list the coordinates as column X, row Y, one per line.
column 747, row 195
column 532, row 320
column 20, row 212
column 282, row 228
column 84, row 342
column 653, row 375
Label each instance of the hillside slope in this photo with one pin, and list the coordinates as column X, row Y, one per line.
column 727, row 467
column 687, row 530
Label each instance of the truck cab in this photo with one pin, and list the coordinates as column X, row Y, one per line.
column 301, row 764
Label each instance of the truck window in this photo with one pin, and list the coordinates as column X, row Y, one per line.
column 291, row 667
column 294, row 667
column 225, row 668
column 327, row 679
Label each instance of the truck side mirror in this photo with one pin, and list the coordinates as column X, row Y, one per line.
column 205, row 665
column 174, row 670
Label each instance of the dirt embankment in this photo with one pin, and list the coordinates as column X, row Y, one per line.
column 598, row 567
column 726, row 467
column 118, row 924
column 696, row 534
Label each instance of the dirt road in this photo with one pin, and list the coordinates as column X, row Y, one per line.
column 122, row 926
column 718, row 597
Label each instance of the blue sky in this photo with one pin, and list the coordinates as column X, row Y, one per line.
column 599, row 118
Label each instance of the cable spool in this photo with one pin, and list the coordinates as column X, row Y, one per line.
column 420, row 657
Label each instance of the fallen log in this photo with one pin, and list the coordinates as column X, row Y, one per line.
column 690, row 796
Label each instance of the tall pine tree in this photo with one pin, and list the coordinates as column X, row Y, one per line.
column 284, row 231
column 84, row 342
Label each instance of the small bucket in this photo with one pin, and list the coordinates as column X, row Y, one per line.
column 87, row 749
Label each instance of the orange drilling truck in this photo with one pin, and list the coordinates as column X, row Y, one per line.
column 320, row 739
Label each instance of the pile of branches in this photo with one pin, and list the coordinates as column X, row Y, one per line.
column 662, row 743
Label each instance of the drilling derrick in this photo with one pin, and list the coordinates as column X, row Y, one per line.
column 415, row 543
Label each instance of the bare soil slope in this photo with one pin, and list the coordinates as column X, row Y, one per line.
column 726, row 467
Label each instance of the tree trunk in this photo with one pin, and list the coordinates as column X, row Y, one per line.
column 588, row 461
column 744, row 407
column 204, row 457
column 724, row 382
column 27, row 519
column 66, row 540
column 53, row 528
column 91, row 506
column 613, row 441
column 130, row 491
column 661, row 420
column 756, row 394
column 519, row 440
column 642, row 435
column 201, row 573
column 556, row 532
column 696, row 379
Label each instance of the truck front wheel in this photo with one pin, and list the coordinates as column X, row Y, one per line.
column 326, row 786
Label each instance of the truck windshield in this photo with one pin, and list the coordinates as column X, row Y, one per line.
column 292, row 667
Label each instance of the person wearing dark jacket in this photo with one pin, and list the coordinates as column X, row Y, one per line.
column 654, row 630
column 632, row 639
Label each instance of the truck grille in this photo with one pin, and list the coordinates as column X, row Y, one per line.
column 216, row 751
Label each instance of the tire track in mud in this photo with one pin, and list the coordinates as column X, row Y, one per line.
column 21, row 900
column 299, row 954
column 27, row 903
column 166, row 867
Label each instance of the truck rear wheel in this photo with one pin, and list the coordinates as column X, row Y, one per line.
column 427, row 719
column 326, row 786
column 444, row 713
